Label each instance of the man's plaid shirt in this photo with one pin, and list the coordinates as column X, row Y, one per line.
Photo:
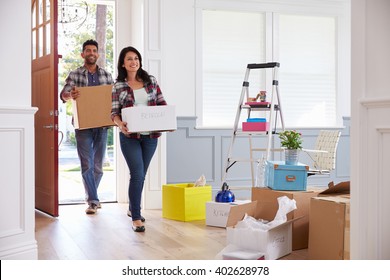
column 79, row 78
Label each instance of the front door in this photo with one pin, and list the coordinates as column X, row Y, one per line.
column 45, row 98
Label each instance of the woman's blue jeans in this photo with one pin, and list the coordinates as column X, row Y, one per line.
column 91, row 148
column 138, row 153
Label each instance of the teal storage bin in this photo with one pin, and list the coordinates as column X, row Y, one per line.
column 282, row 177
column 256, row 120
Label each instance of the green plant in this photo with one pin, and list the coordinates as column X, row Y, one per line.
column 290, row 139
column 72, row 138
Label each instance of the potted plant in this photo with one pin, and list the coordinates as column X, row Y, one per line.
column 292, row 142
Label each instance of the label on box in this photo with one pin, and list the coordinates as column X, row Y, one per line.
column 150, row 118
column 217, row 213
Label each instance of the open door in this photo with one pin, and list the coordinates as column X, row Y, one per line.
column 45, row 98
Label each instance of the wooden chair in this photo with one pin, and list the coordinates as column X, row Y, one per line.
column 324, row 155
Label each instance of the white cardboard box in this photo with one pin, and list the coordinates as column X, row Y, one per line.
column 217, row 213
column 274, row 243
column 150, row 118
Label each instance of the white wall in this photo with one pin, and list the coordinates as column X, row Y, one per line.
column 370, row 132
column 138, row 24
column 178, row 29
column 17, row 239
column 15, row 54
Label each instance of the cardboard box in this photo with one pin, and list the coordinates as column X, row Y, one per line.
column 150, row 118
column 329, row 237
column 329, row 228
column 93, row 107
column 342, row 188
column 280, row 176
column 217, row 213
column 273, row 243
column 267, row 206
column 183, row 202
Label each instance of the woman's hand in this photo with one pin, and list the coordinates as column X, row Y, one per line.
column 123, row 128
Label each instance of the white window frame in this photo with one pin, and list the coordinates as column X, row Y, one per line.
column 340, row 9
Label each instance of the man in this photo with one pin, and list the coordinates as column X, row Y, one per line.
column 91, row 143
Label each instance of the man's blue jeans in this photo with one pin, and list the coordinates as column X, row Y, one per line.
column 138, row 153
column 91, row 148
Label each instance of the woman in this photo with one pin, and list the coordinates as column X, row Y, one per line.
column 135, row 87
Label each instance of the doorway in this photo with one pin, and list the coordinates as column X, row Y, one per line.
column 79, row 21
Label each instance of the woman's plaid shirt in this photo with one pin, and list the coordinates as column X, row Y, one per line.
column 123, row 96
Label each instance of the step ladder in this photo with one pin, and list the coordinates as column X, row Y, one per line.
column 273, row 108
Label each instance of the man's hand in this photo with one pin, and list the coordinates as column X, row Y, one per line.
column 74, row 93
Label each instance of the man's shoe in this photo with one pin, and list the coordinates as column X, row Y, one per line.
column 92, row 208
column 129, row 214
column 99, row 205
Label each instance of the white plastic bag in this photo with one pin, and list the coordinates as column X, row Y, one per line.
column 286, row 205
column 201, row 182
column 260, row 173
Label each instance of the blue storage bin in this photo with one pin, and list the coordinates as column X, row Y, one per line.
column 282, row 177
column 256, row 120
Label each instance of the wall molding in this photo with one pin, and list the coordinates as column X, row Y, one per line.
column 372, row 103
column 15, row 165
column 21, row 251
column 18, row 110
column 17, row 195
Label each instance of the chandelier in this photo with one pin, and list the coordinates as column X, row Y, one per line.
column 72, row 14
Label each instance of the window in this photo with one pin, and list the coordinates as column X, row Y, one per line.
column 308, row 70
column 306, row 45
column 231, row 40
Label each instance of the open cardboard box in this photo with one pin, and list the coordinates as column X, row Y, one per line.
column 267, row 206
column 342, row 188
column 273, row 243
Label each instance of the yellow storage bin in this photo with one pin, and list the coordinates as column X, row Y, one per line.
column 184, row 202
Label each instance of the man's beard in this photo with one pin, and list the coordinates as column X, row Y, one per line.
column 91, row 60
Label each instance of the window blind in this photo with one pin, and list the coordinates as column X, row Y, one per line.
column 231, row 40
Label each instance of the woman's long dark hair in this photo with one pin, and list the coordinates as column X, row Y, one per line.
column 142, row 75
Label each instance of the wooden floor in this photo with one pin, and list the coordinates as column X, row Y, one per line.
column 108, row 236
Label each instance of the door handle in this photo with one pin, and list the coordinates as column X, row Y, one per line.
column 49, row 126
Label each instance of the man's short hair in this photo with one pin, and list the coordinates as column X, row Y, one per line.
column 90, row 42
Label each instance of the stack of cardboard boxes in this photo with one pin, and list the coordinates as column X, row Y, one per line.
column 289, row 181
column 320, row 222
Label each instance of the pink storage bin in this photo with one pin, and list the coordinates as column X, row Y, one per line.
column 255, row 126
